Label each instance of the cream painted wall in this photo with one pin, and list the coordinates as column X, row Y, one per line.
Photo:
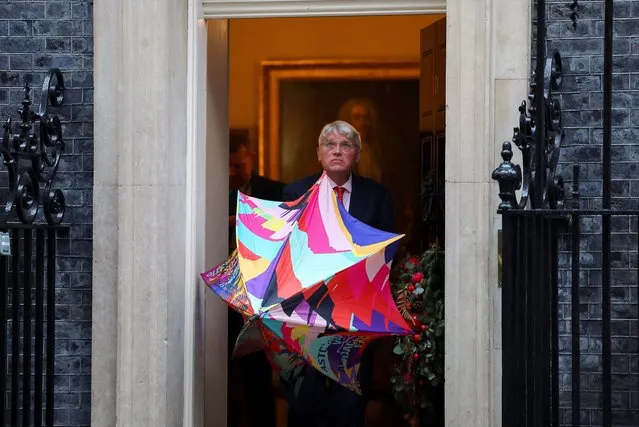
column 255, row 40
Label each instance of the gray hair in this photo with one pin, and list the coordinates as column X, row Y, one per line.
column 342, row 128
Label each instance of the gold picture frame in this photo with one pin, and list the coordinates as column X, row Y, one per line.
column 274, row 72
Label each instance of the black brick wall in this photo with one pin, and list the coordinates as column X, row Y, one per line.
column 582, row 53
column 34, row 36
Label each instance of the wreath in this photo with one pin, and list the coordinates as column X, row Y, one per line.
column 418, row 288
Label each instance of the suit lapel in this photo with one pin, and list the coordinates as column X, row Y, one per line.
column 358, row 199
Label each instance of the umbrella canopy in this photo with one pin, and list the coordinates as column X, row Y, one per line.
column 312, row 283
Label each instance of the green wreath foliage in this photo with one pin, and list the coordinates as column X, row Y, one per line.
column 418, row 287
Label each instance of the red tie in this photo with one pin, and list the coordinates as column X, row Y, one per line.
column 340, row 193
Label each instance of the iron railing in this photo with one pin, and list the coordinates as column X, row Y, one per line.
column 535, row 226
column 27, row 276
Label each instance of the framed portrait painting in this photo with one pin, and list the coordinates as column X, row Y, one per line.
column 297, row 98
column 379, row 98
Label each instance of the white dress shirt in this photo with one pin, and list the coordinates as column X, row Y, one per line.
column 348, row 189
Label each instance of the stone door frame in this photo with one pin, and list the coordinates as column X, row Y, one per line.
column 159, row 159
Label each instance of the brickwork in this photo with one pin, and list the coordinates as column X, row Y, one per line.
column 582, row 100
column 34, row 36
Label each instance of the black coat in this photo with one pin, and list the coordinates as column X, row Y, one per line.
column 255, row 369
column 370, row 202
column 316, row 405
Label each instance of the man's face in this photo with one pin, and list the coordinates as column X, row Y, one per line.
column 337, row 153
column 240, row 168
column 361, row 119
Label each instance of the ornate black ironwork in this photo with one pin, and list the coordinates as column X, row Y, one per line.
column 532, row 238
column 547, row 190
column 509, row 176
column 574, row 14
column 32, row 160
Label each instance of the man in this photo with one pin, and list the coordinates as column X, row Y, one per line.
column 252, row 371
column 322, row 402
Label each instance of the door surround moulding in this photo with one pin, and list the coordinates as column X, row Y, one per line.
column 213, row 9
column 472, row 386
column 479, row 47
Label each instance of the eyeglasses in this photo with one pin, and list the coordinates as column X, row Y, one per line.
column 332, row 146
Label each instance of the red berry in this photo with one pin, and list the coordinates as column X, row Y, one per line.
column 414, row 260
column 415, row 318
column 415, row 356
column 417, row 277
column 416, row 337
column 423, row 327
column 411, row 288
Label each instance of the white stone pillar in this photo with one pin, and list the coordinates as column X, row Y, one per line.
column 139, row 209
column 511, row 46
column 106, row 74
column 488, row 45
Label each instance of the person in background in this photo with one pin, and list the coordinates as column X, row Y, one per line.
column 242, row 177
column 323, row 402
column 252, row 372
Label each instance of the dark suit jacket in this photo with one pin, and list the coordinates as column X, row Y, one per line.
column 312, row 405
column 370, row 201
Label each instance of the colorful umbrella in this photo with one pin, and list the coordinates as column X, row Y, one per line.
column 312, row 283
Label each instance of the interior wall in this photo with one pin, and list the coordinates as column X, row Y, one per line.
column 255, row 40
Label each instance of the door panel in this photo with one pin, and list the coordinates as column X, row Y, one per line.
column 432, row 82
column 427, row 78
column 440, row 75
column 432, row 125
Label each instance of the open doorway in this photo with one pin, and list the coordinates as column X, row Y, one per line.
column 290, row 76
